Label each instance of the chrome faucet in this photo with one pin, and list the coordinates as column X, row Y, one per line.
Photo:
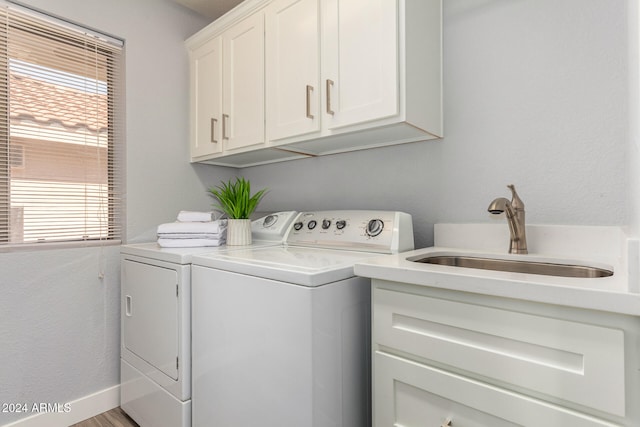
column 514, row 210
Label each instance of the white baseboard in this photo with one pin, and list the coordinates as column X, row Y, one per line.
column 76, row 411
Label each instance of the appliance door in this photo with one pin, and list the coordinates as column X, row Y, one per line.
column 251, row 351
column 274, row 354
column 150, row 314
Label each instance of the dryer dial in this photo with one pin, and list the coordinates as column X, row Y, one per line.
column 374, row 227
column 269, row 220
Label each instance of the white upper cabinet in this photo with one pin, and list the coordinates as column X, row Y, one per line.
column 326, row 76
column 227, row 90
column 359, row 61
column 243, row 99
column 206, row 102
column 293, row 68
column 380, row 74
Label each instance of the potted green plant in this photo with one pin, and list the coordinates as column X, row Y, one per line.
column 236, row 201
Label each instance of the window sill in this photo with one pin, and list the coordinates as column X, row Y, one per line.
column 29, row 247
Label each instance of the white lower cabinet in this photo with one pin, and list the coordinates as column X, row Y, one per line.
column 426, row 396
column 443, row 358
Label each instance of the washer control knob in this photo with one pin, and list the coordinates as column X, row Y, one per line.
column 270, row 220
column 326, row 223
column 298, row 225
column 374, row 227
column 312, row 224
column 340, row 224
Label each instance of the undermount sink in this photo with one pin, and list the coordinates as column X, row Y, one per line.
column 516, row 266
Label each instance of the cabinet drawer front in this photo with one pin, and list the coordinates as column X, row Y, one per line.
column 427, row 396
column 572, row 361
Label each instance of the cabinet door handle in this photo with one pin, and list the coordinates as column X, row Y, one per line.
column 447, row 423
column 225, row 117
column 213, row 130
column 309, row 90
column 329, row 86
column 127, row 306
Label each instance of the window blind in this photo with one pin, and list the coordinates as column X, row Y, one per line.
column 61, row 131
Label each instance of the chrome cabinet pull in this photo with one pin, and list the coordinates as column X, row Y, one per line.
column 225, row 117
column 213, row 130
column 309, row 90
column 329, row 86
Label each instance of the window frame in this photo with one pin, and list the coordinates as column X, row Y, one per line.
column 115, row 150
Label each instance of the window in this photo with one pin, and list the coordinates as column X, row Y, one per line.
column 61, row 142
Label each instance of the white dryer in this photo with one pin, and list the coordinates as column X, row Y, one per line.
column 281, row 335
column 156, row 325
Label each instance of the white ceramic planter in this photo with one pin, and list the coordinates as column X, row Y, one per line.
column 238, row 232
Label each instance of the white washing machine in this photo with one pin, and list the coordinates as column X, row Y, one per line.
column 281, row 335
column 156, row 325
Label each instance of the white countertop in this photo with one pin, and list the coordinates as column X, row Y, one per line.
column 606, row 247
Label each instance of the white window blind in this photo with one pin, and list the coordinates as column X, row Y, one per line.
column 61, row 131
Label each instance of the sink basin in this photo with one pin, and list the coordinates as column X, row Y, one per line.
column 516, row 266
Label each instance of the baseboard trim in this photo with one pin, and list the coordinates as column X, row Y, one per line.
column 79, row 410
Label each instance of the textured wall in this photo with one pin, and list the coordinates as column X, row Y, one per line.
column 59, row 323
column 633, row 22
column 535, row 94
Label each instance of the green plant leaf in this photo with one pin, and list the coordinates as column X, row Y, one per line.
column 235, row 199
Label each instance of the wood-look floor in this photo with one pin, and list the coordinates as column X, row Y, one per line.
column 113, row 418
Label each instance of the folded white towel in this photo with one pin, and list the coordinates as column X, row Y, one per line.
column 189, row 243
column 192, row 216
column 220, row 235
column 210, row 227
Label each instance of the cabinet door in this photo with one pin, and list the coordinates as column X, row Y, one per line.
column 293, row 69
column 243, row 117
column 206, row 99
column 359, row 60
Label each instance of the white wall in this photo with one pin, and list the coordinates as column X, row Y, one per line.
column 59, row 323
column 634, row 116
column 535, row 95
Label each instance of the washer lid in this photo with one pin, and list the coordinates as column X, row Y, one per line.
column 297, row 265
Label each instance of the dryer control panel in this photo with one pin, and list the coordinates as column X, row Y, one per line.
column 273, row 226
column 358, row 230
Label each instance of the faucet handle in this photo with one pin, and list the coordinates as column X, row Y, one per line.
column 516, row 201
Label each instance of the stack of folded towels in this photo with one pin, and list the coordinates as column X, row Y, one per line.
column 192, row 230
